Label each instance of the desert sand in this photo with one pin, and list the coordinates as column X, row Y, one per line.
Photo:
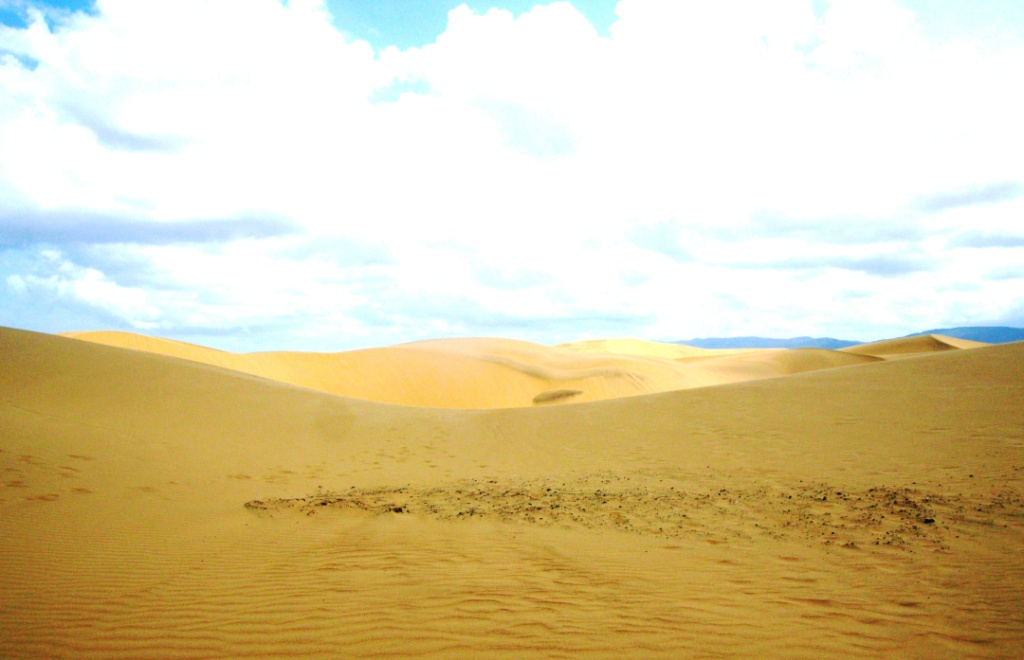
column 501, row 373
column 490, row 497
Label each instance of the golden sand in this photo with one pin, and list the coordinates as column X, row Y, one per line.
column 159, row 499
column 501, row 373
column 910, row 346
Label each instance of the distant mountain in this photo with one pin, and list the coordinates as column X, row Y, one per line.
column 766, row 342
column 989, row 335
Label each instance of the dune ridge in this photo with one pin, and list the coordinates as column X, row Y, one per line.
column 503, row 373
column 778, row 516
column 453, row 373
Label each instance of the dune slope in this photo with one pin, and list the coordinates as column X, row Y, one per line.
column 911, row 346
column 456, row 373
column 773, row 363
column 156, row 507
column 498, row 373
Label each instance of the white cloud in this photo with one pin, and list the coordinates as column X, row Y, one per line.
column 66, row 281
column 16, row 283
column 530, row 168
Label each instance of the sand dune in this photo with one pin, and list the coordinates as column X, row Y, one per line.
column 160, row 346
column 500, row 373
column 157, row 507
column 772, row 363
column 911, row 346
column 454, row 373
column 625, row 346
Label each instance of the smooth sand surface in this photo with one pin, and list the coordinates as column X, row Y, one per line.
column 152, row 506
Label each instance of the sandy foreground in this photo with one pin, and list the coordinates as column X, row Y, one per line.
column 497, row 498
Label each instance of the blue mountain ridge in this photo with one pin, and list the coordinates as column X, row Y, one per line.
column 987, row 334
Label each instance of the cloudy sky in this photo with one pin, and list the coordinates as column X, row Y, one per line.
column 257, row 174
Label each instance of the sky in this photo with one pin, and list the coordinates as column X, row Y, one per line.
column 307, row 175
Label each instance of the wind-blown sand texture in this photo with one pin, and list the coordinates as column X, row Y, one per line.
column 785, row 503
